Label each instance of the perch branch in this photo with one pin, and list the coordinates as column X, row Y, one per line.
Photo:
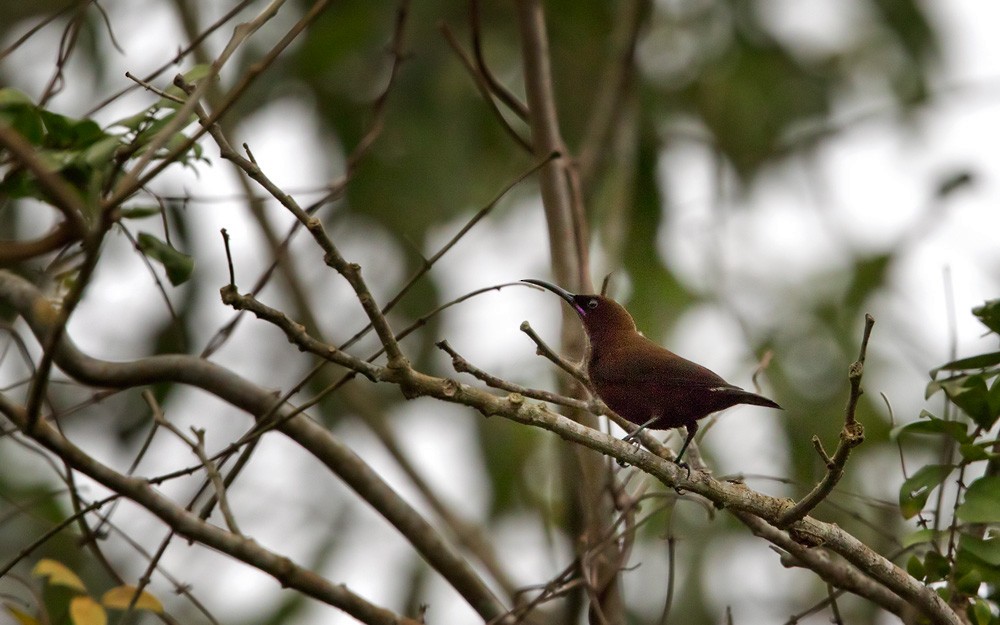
column 185, row 369
column 462, row 365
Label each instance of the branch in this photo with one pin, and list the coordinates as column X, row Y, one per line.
column 840, row 574
column 428, row 263
column 543, row 349
column 63, row 196
column 723, row 494
column 462, row 365
column 484, row 86
column 12, row 252
column 197, row 446
column 331, row 255
column 189, row 525
column 735, row 496
column 297, row 334
column 566, row 224
column 504, row 94
column 852, row 435
column 131, row 182
column 341, row 460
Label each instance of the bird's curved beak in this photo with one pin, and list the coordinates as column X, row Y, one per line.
column 563, row 293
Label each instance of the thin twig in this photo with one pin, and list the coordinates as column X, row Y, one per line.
column 484, row 87
column 26, row 299
column 852, row 435
column 462, row 365
column 197, row 446
column 502, row 93
column 444, row 249
column 133, row 179
column 334, row 189
column 543, row 349
column 229, row 257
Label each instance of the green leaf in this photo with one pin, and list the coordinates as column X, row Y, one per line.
column 179, row 266
column 135, row 122
column 982, row 501
column 981, row 361
column 920, row 536
column 969, row 583
column 24, row 118
column 982, row 612
column 100, row 153
column 974, row 399
column 12, row 97
column 974, row 453
column 986, row 550
column 936, row 566
column 989, row 314
column 915, row 567
column 68, row 133
column 139, row 212
column 929, row 424
column 914, row 492
column 197, row 72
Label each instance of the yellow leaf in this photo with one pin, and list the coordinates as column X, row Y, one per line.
column 85, row 611
column 22, row 617
column 120, row 597
column 58, row 574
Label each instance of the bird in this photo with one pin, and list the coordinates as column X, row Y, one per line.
column 643, row 382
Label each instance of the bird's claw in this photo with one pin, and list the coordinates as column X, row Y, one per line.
column 685, row 466
column 632, row 440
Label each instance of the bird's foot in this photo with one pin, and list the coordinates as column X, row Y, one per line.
column 631, row 439
column 684, row 466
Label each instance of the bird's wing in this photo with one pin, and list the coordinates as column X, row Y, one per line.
column 660, row 366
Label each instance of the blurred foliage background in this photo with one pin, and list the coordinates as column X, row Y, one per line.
column 734, row 96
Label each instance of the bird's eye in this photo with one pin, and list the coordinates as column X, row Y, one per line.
column 592, row 304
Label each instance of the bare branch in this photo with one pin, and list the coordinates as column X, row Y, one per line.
column 197, row 446
column 852, row 435
column 496, row 87
column 341, row 460
column 189, row 525
column 484, row 86
column 543, row 349
column 464, row 366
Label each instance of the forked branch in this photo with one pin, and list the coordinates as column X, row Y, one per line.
column 852, row 435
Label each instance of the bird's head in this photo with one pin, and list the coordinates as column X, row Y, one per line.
column 600, row 315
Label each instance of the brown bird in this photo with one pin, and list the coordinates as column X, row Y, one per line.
column 650, row 386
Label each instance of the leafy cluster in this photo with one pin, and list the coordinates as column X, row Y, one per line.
column 64, row 598
column 92, row 159
column 962, row 559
